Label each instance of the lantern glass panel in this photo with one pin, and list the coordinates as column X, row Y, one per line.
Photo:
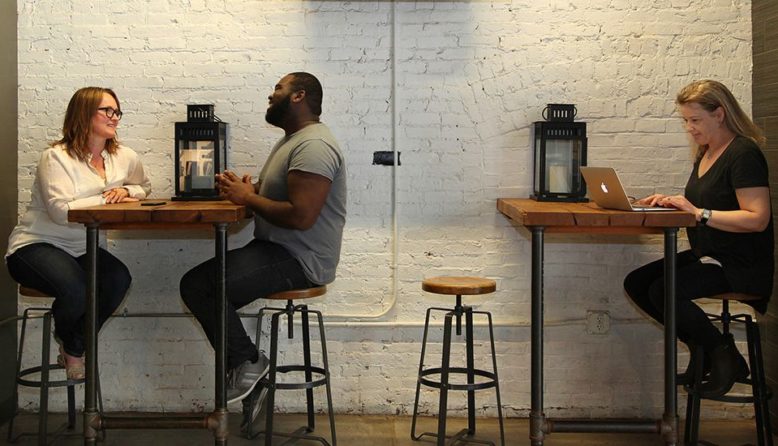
column 560, row 163
column 196, row 166
column 538, row 142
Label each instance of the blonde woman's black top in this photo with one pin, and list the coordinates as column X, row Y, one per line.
column 747, row 258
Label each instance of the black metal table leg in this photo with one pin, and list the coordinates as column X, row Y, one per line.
column 537, row 418
column 91, row 416
column 220, row 412
column 670, row 417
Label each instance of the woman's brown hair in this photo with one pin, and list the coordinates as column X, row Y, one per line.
column 78, row 122
column 711, row 95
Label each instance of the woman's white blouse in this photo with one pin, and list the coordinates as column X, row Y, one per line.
column 63, row 183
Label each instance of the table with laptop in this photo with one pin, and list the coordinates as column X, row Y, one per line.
column 540, row 218
column 606, row 189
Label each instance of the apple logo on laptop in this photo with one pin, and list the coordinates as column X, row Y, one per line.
column 604, row 188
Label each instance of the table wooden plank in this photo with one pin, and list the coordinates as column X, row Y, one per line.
column 171, row 213
column 531, row 213
column 567, row 216
column 585, row 215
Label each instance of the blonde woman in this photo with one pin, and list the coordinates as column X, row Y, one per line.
column 732, row 244
column 87, row 167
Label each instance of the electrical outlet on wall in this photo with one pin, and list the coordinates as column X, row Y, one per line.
column 598, row 322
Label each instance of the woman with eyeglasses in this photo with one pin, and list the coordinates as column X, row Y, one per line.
column 86, row 167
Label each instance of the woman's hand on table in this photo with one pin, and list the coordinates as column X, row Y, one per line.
column 118, row 195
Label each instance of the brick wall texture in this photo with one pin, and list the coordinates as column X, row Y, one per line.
column 455, row 87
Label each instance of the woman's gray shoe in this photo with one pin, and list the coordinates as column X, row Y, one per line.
column 242, row 379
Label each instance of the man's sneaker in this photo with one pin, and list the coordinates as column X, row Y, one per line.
column 242, row 379
column 252, row 407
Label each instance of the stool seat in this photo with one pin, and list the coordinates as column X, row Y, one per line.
column 477, row 378
column 456, row 285
column 303, row 293
column 740, row 297
column 32, row 292
column 312, row 375
column 760, row 391
column 39, row 375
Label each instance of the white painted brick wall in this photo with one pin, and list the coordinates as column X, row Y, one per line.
column 471, row 78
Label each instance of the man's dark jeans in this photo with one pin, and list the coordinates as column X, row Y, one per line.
column 55, row 272
column 254, row 271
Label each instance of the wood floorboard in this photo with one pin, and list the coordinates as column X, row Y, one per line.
column 354, row 430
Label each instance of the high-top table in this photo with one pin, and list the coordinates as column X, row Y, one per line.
column 168, row 216
column 554, row 217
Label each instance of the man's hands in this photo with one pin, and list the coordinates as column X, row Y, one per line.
column 307, row 193
column 118, row 195
column 231, row 187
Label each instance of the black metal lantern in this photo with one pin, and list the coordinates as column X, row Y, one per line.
column 201, row 153
column 560, row 151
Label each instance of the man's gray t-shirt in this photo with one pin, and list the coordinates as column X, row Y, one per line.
column 312, row 149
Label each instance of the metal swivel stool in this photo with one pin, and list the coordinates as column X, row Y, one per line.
column 44, row 382
column 760, row 392
column 458, row 286
column 314, row 376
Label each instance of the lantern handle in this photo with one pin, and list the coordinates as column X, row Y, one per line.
column 545, row 112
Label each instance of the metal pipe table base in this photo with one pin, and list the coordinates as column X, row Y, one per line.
column 93, row 420
column 540, row 426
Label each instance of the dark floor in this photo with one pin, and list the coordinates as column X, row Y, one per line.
column 353, row 430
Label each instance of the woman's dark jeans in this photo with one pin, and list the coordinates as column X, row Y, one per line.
column 55, row 272
column 254, row 271
column 694, row 279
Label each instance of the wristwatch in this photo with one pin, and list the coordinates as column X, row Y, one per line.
column 705, row 216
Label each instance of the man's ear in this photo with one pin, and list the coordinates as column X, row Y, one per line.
column 298, row 96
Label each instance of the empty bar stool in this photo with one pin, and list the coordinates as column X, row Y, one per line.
column 457, row 286
column 760, row 392
column 313, row 376
column 44, row 382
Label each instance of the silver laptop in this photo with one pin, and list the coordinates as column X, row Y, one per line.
column 606, row 190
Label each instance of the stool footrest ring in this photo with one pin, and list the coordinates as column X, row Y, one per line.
column 734, row 398
column 299, row 385
column 37, row 383
column 458, row 371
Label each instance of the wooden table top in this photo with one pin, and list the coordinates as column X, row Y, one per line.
column 169, row 214
column 588, row 217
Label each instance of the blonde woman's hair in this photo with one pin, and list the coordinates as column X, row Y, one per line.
column 710, row 95
column 78, row 122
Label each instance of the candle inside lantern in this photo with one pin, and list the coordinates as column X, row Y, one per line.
column 559, row 179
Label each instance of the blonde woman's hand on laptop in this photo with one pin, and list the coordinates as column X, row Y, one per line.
column 651, row 200
column 677, row 201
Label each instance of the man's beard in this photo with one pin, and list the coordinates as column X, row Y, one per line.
column 277, row 113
